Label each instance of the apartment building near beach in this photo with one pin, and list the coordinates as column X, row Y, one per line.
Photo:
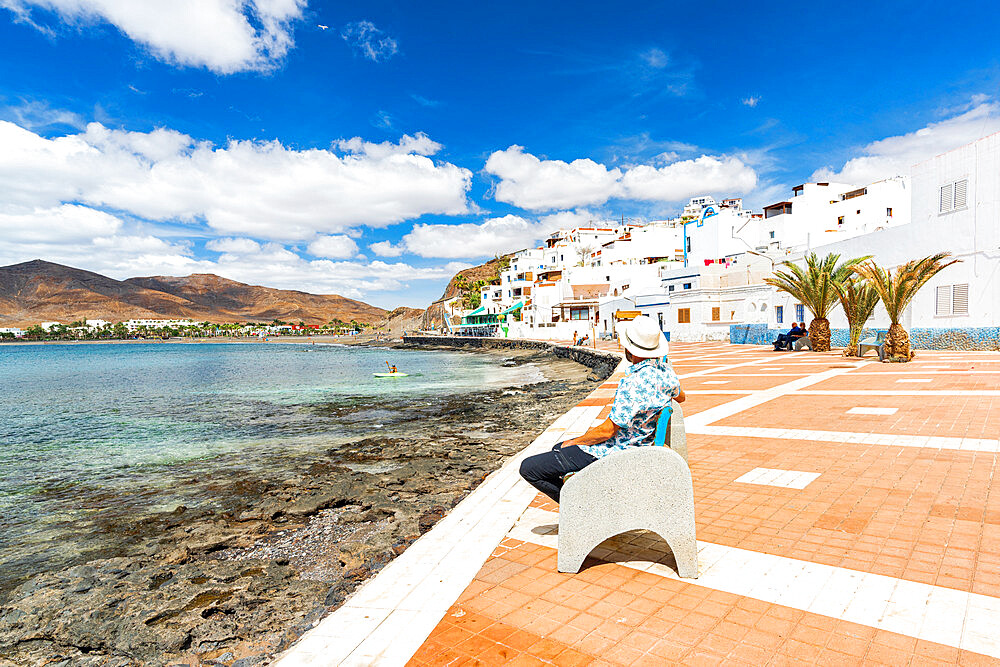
column 700, row 275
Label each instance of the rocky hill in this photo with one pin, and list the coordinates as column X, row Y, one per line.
column 435, row 314
column 401, row 320
column 37, row 291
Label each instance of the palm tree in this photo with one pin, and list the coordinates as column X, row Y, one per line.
column 896, row 290
column 858, row 299
column 815, row 287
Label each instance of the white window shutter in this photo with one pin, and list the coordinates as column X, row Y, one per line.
column 960, row 299
column 945, row 201
column 960, row 190
column 942, row 304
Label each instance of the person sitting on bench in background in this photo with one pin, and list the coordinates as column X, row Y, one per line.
column 648, row 386
column 786, row 339
column 795, row 336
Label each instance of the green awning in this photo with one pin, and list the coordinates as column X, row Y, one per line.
column 516, row 306
column 476, row 311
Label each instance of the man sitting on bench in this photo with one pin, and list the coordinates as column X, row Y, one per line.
column 795, row 337
column 786, row 339
column 646, row 389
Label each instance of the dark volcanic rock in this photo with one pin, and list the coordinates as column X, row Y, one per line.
column 247, row 573
column 142, row 610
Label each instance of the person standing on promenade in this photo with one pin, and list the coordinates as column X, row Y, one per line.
column 648, row 386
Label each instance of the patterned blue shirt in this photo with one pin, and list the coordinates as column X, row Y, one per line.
column 645, row 390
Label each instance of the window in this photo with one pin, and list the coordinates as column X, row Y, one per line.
column 689, row 244
column 772, row 235
column 716, row 314
column 779, row 314
column 800, row 312
column 687, row 285
column 579, row 313
column 840, row 220
column 952, row 196
column 683, row 316
column 952, row 300
column 888, row 212
column 670, row 288
column 659, row 316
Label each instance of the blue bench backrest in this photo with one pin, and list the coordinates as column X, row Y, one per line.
column 661, row 426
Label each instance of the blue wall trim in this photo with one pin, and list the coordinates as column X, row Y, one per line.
column 983, row 338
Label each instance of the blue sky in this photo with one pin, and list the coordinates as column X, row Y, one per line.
column 373, row 149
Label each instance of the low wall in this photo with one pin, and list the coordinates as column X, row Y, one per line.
column 602, row 363
column 984, row 338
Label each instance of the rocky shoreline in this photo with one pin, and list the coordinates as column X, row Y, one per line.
column 236, row 582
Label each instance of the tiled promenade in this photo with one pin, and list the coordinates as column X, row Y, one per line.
column 845, row 515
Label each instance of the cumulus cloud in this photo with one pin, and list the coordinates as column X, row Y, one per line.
column 419, row 144
column 386, row 249
column 531, row 183
column 68, row 223
column 895, row 155
column 224, row 36
column 247, row 188
column 334, row 247
column 234, row 246
column 97, row 241
column 369, row 41
column 751, row 101
column 683, row 179
column 494, row 236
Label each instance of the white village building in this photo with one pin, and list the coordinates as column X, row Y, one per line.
column 700, row 275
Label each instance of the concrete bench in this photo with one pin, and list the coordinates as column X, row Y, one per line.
column 876, row 343
column 800, row 343
column 641, row 488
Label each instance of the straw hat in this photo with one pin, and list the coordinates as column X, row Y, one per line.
column 643, row 338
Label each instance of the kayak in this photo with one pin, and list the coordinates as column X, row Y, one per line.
column 390, row 375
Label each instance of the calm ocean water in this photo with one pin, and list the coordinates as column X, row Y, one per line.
column 80, row 420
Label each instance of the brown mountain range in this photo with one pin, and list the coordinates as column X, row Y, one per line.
column 37, row 291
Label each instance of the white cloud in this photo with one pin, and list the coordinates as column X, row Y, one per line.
column 235, row 246
column 751, row 101
column 248, row 188
column 895, row 155
column 495, row 236
column 683, row 179
column 67, row 223
column 334, row 247
column 531, row 183
column 387, row 249
column 96, row 241
column 419, row 144
column 369, row 41
column 224, row 36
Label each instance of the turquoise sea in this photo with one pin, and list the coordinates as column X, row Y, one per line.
column 82, row 425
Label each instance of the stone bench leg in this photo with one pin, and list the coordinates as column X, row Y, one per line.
column 645, row 488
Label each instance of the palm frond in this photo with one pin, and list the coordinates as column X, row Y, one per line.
column 815, row 285
column 897, row 289
column 858, row 298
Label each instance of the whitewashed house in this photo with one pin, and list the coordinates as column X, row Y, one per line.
column 955, row 208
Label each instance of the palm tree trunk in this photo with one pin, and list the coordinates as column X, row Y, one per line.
column 819, row 334
column 897, row 342
column 852, row 341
